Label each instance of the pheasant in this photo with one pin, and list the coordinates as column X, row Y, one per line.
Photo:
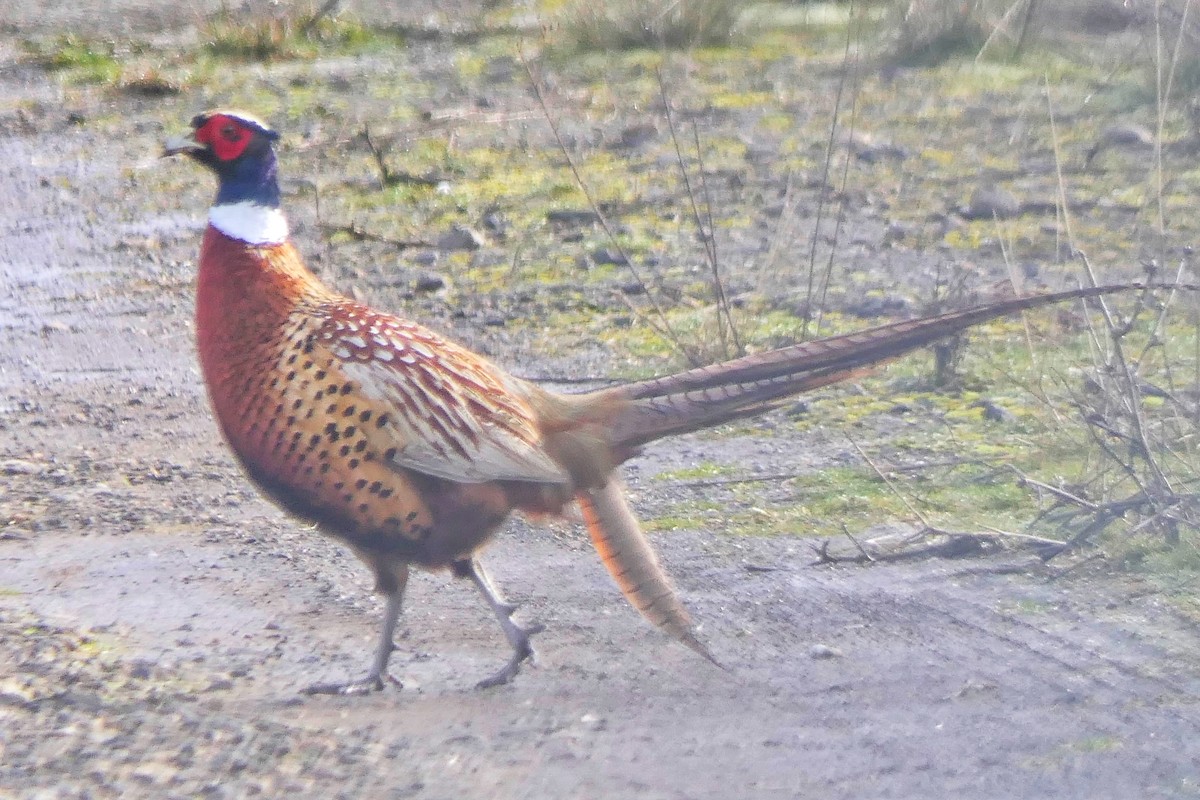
column 411, row 449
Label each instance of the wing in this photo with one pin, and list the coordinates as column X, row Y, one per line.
column 439, row 409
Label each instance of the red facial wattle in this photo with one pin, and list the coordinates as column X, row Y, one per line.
column 225, row 136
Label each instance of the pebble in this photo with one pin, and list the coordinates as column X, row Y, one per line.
column 990, row 201
column 572, row 217
column 608, row 255
column 637, row 135
column 16, row 466
column 995, row 413
column 460, row 237
column 823, row 651
column 429, row 282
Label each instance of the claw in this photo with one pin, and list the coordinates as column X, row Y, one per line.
column 517, row 636
column 522, row 651
column 378, row 674
column 363, row 686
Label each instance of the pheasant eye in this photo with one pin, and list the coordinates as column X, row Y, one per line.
column 226, row 137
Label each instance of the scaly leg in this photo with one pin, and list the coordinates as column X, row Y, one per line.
column 373, row 682
column 517, row 636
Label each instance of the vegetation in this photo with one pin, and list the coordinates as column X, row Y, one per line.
column 635, row 24
column 649, row 184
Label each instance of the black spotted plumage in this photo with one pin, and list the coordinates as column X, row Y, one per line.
column 411, row 448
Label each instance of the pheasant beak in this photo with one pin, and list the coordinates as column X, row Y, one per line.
column 180, row 144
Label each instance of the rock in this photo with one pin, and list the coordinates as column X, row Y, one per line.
column 16, row 466
column 637, row 135
column 800, row 408
column 895, row 232
column 460, row 237
column 993, row 412
column 872, row 306
column 608, row 255
column 572, row 217
column 496, row 224
column 1121, row 136
column 865, row 148
column 823, row 651
column 429, row 282
column 500, row 69
column 990, row 201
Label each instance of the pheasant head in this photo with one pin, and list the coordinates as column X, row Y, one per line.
column 240, row 149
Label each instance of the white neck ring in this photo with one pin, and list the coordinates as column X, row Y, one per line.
column 250, row 222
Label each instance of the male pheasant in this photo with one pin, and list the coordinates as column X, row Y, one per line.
column 411, row 449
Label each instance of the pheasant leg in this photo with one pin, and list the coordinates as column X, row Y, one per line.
column 517, row 636
column 374, row 680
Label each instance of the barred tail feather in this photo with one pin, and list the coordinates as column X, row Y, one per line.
column 862, row 347
column 709, row 395
column 631, row 562
column 646, row 420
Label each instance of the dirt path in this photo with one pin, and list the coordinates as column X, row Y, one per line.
column 156, row 617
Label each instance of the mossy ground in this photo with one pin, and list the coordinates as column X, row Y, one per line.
column 752, row 123
column 157, row 615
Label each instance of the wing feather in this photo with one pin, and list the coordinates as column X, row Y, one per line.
column 451, row 414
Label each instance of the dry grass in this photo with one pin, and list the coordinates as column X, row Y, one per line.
column 633, row 24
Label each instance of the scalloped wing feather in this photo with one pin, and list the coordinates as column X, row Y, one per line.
column 451, row 414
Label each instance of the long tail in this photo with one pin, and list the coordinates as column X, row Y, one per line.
column 746, row 386
column 628, row 557
column 706, row 396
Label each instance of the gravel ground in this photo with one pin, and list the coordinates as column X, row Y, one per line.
column 157, row 617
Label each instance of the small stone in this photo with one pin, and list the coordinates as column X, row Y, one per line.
column 866, row 148
column 608, row 255
column 637, row 135
column 141, row 669
column 16, row 466
column 429, row 282
column 995, row 413
column 500, row 70
column 496, row 224
column 460, row 237
column 896, row 232
column 572, row 217
column 823, row 651
column 799, row 408
column 992, row 201
column 593, row 722
column 872, row 306
column 1121, row 136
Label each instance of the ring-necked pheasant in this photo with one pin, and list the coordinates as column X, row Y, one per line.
column 412, row 449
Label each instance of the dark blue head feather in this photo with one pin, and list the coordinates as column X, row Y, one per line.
column 249, row 178
column 240, row 148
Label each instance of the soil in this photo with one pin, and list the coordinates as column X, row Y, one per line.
column 157, row 616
